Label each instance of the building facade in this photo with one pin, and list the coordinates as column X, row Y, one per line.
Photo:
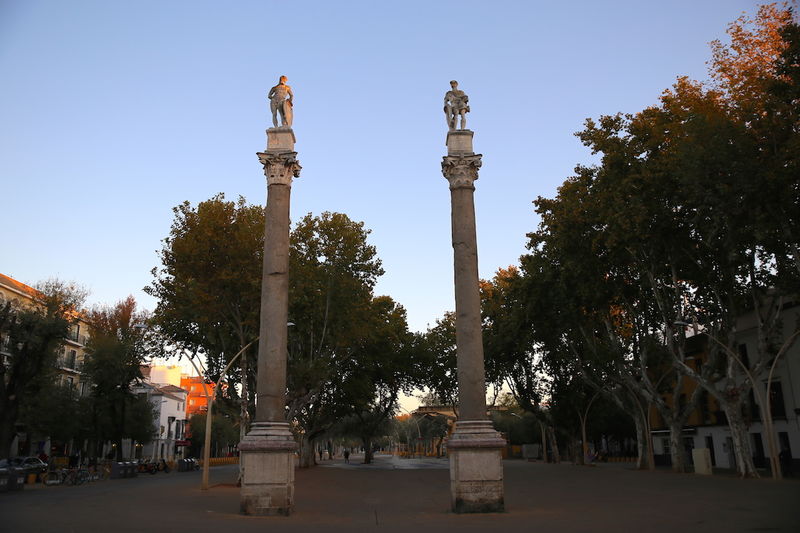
column 196, row 387
column 69, row 363
column 707, row 425
column 169, row 404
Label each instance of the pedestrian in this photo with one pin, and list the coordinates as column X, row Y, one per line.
column 346, row 455
column 320, row 454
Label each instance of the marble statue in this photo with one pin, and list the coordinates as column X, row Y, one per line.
column 278, row 103
column 456, row 104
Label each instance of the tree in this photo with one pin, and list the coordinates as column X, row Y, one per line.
column 33, row 336
column 57, row 412
column 381, row 367
column 674, row 223
column 209, row 288
column 209, row 285
column 116, row 351
column 224, row 432
column 436, row 349
column 332, row 273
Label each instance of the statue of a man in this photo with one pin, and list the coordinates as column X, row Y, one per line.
column 278, row 103
column 456, row 104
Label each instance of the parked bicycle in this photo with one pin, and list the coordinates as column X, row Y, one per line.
column 65, row 476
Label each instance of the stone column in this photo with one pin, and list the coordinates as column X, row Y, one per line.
column 267, row 451
column 476, row 468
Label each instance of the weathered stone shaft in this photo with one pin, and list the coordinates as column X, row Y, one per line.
column 280, row 166
column 469, row 342
column 271, row 389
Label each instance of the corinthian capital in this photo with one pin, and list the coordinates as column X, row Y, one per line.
column 280, row 168
column 461, row 171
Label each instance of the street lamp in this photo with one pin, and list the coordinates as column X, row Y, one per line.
column 766, row 408
column 210, row 402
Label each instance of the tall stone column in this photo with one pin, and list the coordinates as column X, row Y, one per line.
column 476, row 468
column 267, row 451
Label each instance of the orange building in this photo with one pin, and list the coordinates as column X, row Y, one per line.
column 196, row 401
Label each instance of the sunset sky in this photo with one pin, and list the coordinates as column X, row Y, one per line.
column 111, row 113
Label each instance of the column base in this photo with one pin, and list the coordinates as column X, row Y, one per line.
column 267, row 456
column 476, row 468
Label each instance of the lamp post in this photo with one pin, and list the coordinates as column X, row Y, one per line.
column 210, row 403
column 764, row 403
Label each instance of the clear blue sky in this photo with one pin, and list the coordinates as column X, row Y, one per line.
column 111, row 113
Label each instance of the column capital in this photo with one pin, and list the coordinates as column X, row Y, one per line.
column 461, row 170
column 280, row 167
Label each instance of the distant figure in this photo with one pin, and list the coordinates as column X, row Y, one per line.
column 320, row 454
column 456, row 104
column 347, row 455
column 278, row 103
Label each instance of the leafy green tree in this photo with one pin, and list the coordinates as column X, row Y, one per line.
column 57, row 412
column 332, row 273
column 436, row 350
column 209, row 286
column 224, row 432
column 116, row 351
column 381, row 367
column 674, row 225
column 33, row 336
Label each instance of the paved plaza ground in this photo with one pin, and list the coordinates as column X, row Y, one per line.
column 409, row 495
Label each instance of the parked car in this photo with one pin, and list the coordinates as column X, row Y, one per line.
column 31, row 465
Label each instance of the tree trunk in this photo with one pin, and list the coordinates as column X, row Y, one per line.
column 641, row 444
column 644, row 448
column 741, row 440
column 367, row 450
column 307, row 452
column 584, row 442
column 544, row 442
column 551, row 433
column 676, row 451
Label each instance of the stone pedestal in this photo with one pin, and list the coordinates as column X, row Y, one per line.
column 280, row 139
column 459, row 142
column 267, row 451
column 476, row 468
column 267, row 456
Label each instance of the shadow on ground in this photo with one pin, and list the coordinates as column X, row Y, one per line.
column 398, row 494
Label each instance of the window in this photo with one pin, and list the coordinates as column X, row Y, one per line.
column 705, row 415
column 783, row 438
column 743, row 355
column 755, row 412
column 776, row 405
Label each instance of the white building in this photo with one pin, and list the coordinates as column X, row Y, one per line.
column 708, row 426
column 169, row 405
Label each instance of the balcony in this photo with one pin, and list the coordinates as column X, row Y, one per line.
column 68, row 363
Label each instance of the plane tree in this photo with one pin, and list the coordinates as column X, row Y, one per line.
column 32, row 336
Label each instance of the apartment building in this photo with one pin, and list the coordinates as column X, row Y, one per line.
column 707, row 426
column 71, row 352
